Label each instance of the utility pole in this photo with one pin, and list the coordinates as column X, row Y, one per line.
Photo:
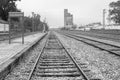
column 44, row 28
column 44, row 25
column 104, row 11
column 109, row 19
column 33, row 21
column 9, row 30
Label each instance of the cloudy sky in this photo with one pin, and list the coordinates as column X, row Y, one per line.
column 84, row 11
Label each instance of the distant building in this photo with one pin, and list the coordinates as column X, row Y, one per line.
column 68, row 19
column 4, row 27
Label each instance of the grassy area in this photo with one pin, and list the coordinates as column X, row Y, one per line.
column 110, row 31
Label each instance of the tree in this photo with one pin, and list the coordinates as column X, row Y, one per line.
column 46, row 27
column 28, row 23
column 114, row 11
column 7, row 6
column 38, row 25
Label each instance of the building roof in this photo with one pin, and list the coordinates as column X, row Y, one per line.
column 4, row 22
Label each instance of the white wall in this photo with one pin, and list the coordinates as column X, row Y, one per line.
column 112, row 27
column 107, row 27
column 4, row 27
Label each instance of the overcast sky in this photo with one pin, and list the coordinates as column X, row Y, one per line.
column 84, row 11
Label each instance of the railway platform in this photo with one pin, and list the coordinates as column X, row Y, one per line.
column 7, row 51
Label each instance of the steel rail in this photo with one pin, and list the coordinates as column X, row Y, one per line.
column 77, row 38
column 77, row 35
column 98, row 35
column 79, row 68
column 61, row 43
column 43, row 46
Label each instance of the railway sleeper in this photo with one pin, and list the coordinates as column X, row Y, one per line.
column 55, row 61
column 56, row 67
column 54, row 57
column 54, row 48
column 58, row 75
column 57, row 71
column 55, row 64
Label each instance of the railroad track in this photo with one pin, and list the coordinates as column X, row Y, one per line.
column 97, row 44
column 55, row 62
column 113, row 37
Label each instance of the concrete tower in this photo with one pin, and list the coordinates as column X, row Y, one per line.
column 65, row 16
column 68, row 19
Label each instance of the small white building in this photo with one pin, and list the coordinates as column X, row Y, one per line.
column 4, row 26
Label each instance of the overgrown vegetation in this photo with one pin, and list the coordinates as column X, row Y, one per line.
column 7, row 6
column 115, row 11
column 35, row 24
column 30, row 23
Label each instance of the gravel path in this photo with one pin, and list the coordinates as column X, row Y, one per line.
column 23, row 69
column 102, row 64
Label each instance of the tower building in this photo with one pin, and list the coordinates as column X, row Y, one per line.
column 68, row 19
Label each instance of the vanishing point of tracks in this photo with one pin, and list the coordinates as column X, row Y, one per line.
column 54, row 61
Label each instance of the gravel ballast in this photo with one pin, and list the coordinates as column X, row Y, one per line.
column 103, row 65
column 23, row 69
